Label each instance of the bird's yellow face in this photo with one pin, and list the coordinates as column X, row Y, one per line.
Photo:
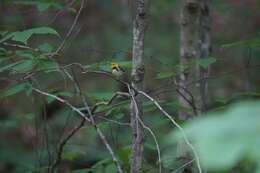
column 114, row 66
column 116, row 69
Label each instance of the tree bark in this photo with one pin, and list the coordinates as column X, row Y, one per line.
column 204, row 52
column 190, row 24
column 137, row 82
column 195, row 44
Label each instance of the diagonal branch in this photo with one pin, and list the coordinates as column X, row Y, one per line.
column 70, row 30
column 62, row 101
column 92, row 121
column 175, row 124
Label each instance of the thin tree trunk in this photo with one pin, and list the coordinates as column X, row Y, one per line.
column 190, row 24
column 137, row 82
column 195, row 44
column 204, row 52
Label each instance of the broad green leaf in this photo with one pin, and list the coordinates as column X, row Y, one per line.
column 14, row 89
column 8, row 66
column 23, row 66
column 206, row 62
column 252, row 42
column 222, row 139
column 100, row 95
column 124, row 155
column 25, row 54
column 47, row 65
column 23, row 36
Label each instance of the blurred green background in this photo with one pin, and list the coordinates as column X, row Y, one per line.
column 31, row 127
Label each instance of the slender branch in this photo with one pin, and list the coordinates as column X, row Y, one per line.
column 115, row 95
column 183, row 166
column 63, row 101
column 63, row 143
column 18, row 46
column 60, row 11
column 92, row 121
column 177, row 125
column 70, row 30
column 112, row 121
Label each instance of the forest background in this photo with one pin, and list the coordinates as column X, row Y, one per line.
column 55, row 61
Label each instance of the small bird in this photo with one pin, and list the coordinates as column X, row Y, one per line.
column 117, row 70
column 121, row 74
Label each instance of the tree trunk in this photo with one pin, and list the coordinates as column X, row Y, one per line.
column 204, row 52
column 137, row 82
column 190, row 24
column 195, row 44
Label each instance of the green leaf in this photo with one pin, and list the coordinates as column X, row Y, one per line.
column 8, row 66
column 23, row 36
column 100, row 95
column 124, row 155
column 15, row 89
column 23, row 66
column 47, row 65
column 206, row 62
column 251, row 42
column 163, row 75
column 222, row 139
column 68, row 155
column 117, row 113
column 25, row 54
column 45, row 48
column 6, row 37
column 41, row 6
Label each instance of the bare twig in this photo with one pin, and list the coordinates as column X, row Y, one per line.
column 112, row 121
column 115, row 95
column 70, row 30
column 90, row 119
column 60, row 11
column 99, row 132
column 63, row 143
column 63, row 101
column 18, row 46
column 183, row 166
column 177, row 125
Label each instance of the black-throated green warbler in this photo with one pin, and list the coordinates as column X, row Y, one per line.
column 121, row 74
column 117, row 70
